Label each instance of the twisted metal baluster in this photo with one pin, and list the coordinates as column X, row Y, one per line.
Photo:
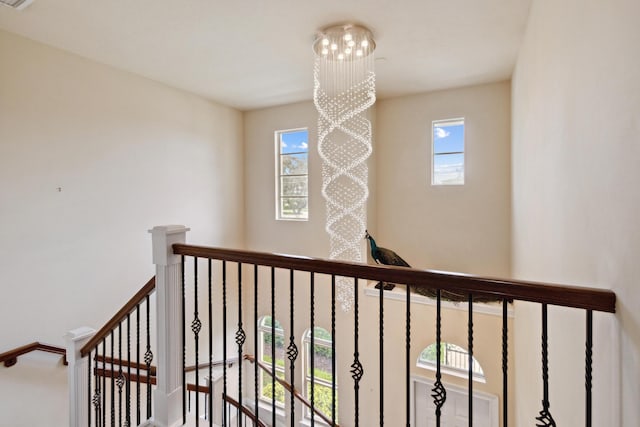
column 505, row 360
column 439, row 393
column 127, row 420
column 113, row 380
column 148, row 358
column 545, row 418
column 356, row 367
column 240, row 337
column 184, row 340
column 138, row 364
column 381, row 349
column 470, row 360
column 588, row 367
column 104, row 381
column 89, row 389
column 196, row 326
column 120, row 379
column 292, row 350
column 408, row 357
column 333, row 349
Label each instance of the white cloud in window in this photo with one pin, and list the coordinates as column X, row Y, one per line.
column 304, row 145
column 441, row 133
column 283, row 144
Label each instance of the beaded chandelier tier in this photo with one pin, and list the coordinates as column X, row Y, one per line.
column 343, row 92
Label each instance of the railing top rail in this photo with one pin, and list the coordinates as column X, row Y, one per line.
column 244, row 410
column 119, row 316
column 9, row 358
column 562, row 295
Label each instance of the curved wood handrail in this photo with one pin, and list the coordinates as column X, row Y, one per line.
column 10, row 358
column 119, row 316
column 245, row 410
column 563, row 295
column 292, row 390
column 215, row 363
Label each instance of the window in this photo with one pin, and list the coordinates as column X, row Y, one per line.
column 266, row 357
column 322, row 372
column 292, row 155
column 448, row 152
column 454, row 360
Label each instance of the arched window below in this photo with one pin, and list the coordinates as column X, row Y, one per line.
column 267, row 332
column 322, row 374
column 454, row 360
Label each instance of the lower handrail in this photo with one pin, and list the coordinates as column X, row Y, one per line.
column 246, row 411
column 10, row 357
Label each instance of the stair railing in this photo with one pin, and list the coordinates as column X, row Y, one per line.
column 10, row 358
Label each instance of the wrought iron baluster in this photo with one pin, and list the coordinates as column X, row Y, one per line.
column 255, row 339
column 138, row 364
column 408, row 357
column 240, row 337
column 292, row 350
column 505, row 361
column 148, row 358
column 184, row 340
column 104, row 381
column 89, row 389
column 224, row 341
column 381, row 348
column 210, row 295
column 196, row 326
column 312, row 349
column 113, row 380
column 120, row 379
column 470, row 360
column 273, row 347
column 356, row 367
column 127, row 421
column 588, row 367
column 545, row 418
column 333, row 349
column 439, row 393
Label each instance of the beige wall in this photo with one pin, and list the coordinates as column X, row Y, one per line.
column 576, row 109
column 455, row 228
column 128, row 154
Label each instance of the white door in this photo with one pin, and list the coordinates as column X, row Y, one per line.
column 455, row 411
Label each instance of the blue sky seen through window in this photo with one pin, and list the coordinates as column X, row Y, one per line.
column 448, row 152
column 294, row 142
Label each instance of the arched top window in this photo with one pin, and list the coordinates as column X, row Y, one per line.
column 322, row 374
column 271, row 337
column 454, row 360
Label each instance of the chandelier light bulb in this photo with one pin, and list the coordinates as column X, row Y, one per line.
column 325, row 42
column 365, row 43
column 325, row 51
column 334, row 46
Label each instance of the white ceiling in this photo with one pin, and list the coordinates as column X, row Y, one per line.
column 257, row 53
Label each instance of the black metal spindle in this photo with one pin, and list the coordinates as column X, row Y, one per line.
column 273, row 347
column 588, row 368
column 138, row 364
column 210, row 295
column 505, row 361
column 439, row 393
column 196, row 325
column 292, row 350
column 104, row 381
column 333, row 349
column 545, row 418
column 184, row 341
column 356, row 367
column 113, row 380
column 89, row 396
column 381, row 348
column 408, row 357
column 148, row 357
column 255, row 339
column 128, row 390
column 224, row 340
column 470, row 360
column 240, row 337
column 312, row 351
column 120, row 379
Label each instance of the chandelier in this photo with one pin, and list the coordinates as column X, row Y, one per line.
column 343, row 92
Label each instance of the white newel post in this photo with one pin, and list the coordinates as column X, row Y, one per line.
column 77, row 375
column 167, row 410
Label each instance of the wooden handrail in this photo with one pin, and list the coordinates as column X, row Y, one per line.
column 125, row 363
column 215, row 363
column 562, row 295
column 245, row 410
column 108, row 373
column 10, row 358
column 119, row 316
column 291, row 389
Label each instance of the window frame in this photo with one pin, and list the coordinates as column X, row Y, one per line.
column 450, row 122
column 279, row 175
column 306, row 375
column 478, row 374
column 278, row 331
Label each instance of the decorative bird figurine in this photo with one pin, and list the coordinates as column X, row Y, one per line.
column 384, row 256
column 388, row 257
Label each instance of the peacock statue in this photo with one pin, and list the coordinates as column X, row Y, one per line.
column 388, row 257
